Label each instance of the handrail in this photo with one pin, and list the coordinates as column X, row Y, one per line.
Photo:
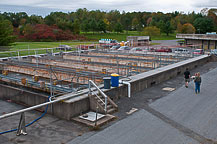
column 35, row 107
column 101, row 92
column 99, row 98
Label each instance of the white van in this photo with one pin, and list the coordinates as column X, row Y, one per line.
column 182, row 51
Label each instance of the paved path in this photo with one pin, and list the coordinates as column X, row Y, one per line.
column 182, row 117
column 166, row 42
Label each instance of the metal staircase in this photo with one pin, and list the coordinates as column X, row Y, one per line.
column 99, row 101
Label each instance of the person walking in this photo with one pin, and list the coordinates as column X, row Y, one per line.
column 197, row 82
column 187, row 77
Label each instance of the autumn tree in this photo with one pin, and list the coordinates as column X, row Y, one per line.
column 179, row 28
column 212, row 13
column 188, row 29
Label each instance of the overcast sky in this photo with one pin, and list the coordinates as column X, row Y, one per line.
column 44, row 7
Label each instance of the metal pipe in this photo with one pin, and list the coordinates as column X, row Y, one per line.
column 35, row 107
column 129, row 87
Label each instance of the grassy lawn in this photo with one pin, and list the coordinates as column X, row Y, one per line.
column 123, row 36
column 163, row 36
column 36, row 45
column 117, row 36
column 28, row 46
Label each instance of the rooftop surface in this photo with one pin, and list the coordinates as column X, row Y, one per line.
column 198, row 36
column 177, row 117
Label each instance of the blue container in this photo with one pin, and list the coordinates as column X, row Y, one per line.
column 114, row 80
column 107, row 82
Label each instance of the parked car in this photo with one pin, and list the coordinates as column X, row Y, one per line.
column 163, row 50
column 115, row 47
column 181, row 51
column 64, row 47
column 124, row 48
column 152, row 49
column 213, row 51
column 85, row 47
column 136, row 49
column 198, row 52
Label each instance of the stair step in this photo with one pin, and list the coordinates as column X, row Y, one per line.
column 100, row 98
column 99, row 101
column 111, row 110
column 109, row 106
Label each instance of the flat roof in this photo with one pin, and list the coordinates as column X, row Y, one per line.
column 138, row 37
column 198, row 36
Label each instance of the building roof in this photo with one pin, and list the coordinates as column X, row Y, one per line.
column 198, row 36
column 138, row 37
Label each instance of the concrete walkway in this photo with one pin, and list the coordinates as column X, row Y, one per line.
column 182, row 117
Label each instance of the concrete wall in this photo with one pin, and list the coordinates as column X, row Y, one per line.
column 64, row 110
column 147, row 79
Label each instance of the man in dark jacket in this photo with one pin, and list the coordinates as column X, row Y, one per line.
column 187, row 77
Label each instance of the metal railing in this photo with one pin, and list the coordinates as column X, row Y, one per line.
column 93, row 91
column 21, row 128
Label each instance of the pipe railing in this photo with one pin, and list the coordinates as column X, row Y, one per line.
column 100, row 91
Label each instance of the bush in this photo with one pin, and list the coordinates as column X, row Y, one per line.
column 151, row 31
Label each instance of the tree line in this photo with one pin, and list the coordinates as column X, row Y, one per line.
column 67, row 26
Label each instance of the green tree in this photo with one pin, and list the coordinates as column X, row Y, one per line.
column 49, row 20
column 118, row 27
column 126, row 21
column 76, row 26
column 6, row 33
column 34, row 19
column 166, row 27
column 85, row 26
column 93, row 25
column 101, row 26
column 204, row 25
column 151, row 31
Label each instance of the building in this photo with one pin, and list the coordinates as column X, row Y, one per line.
column 203, row 41
column 138, row 40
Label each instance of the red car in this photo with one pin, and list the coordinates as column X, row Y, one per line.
column 198, row 52
column 163, row 50
column 85, row 47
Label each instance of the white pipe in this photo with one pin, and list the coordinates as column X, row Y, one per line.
column 129, row 87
